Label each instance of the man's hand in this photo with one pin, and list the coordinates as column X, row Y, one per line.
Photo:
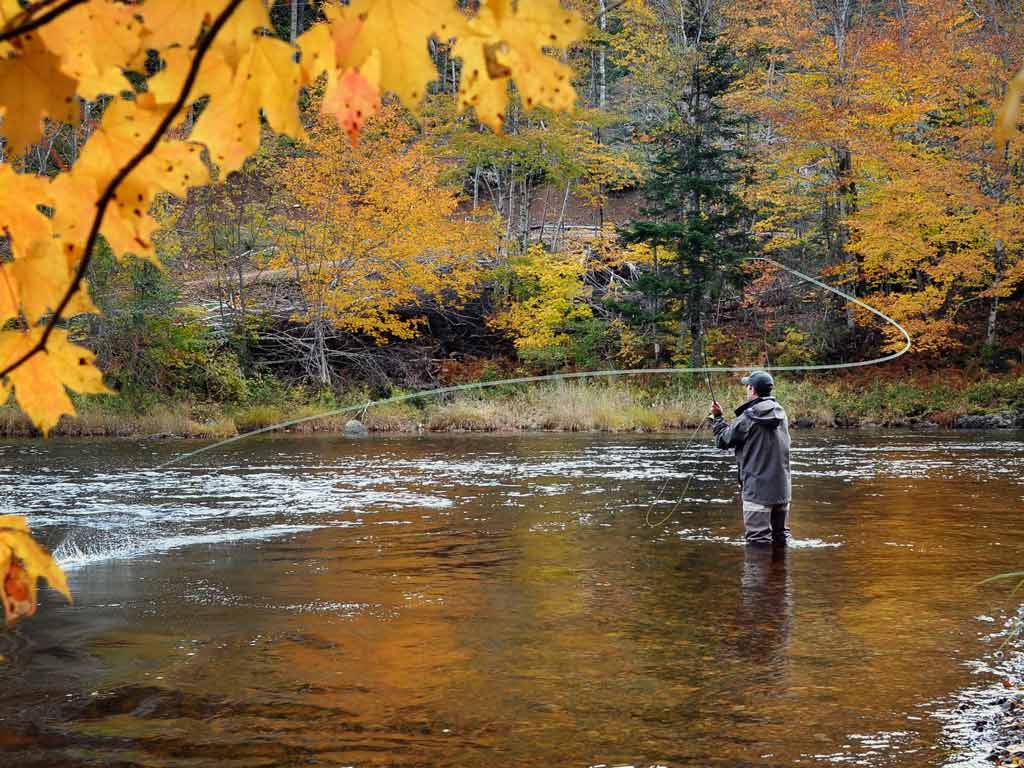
column 716, row 409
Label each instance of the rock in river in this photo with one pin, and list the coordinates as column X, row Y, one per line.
column 355, row 428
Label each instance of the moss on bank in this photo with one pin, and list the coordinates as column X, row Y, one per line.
column 579, row 406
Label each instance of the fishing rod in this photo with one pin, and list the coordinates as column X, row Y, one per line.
column 606, row 374
column 704, row 358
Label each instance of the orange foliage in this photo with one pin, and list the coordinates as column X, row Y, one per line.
column 886, row 117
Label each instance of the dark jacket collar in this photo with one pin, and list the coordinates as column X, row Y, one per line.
column 752, row 403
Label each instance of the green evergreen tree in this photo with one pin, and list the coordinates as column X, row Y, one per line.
column 694, row 215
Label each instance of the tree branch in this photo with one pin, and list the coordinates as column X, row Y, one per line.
column 41, row 21
column 613, row 7
column 108, row 193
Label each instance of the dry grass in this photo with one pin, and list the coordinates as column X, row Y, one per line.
column 807, row 401
column 568, row 407
column 93, row 421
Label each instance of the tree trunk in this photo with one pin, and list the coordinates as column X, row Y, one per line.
column 993, row 307
column 243, row 330
column 320, row 365
column 846, row 205
column 696, row 328
column 511, row 204
column 293, row 31
column 654, row 312
column 602, row 54
column 557, row 241
column 524, row 215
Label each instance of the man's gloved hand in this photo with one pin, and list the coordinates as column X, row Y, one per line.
column 716, row 409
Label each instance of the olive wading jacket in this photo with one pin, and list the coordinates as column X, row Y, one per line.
column 760, row 436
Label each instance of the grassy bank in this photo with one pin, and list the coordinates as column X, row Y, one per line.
column 615, row 406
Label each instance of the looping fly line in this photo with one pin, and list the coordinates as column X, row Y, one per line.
column 477, row 385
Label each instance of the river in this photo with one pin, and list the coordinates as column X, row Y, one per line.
column 473, row 600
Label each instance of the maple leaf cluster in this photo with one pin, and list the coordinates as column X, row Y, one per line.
column 184, row 86
column 22, row 563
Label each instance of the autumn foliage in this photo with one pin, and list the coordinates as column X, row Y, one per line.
column 371, row 229
column 878, row 149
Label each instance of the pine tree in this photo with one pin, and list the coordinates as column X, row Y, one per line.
column 694, row 214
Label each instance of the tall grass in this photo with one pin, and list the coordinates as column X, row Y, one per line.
column 570, row 406
column 93, row 421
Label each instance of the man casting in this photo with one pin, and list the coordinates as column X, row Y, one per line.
column 760, row 437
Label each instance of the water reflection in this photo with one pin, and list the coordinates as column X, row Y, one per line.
column 765, row 616
column 476, row 601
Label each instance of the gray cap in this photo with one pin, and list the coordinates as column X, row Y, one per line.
column 761, row 381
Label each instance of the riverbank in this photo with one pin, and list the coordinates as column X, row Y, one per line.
column 940, row 400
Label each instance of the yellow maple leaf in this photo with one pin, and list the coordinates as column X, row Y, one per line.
column 20, row 193
column 317, row 46
column 173, row 166
column 32, row 87
column 271, row 68
column 400, row 29
column 176, row 21
column 39, row 383
column 238, row 31
column 501, row 44
column 125, row 127
column 268, row 77
column 75, row 195
column 214, row 76
column 344, row 31
column 538, row 24
column 487, row 95
column 40, row 280
column 355, row 96
column 73, row 36
column 22, row 563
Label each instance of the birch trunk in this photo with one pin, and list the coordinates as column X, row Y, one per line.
column 993, row 307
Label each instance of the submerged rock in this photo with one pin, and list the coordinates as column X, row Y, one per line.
column 355, row 428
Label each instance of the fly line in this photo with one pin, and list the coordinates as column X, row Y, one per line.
column 606, row 374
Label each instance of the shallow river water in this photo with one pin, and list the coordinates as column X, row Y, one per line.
column 501, row 601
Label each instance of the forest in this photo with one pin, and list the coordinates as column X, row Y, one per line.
column 490, row 237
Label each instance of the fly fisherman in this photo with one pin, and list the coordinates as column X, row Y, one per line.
column 760, row 437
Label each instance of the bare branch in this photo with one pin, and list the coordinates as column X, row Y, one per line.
column 40, row 21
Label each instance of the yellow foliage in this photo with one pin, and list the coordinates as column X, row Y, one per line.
column 372, row 230
column 881, row 128
column 547, row 294
column 500, row 41
column 102, row 51
column 39, row 383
